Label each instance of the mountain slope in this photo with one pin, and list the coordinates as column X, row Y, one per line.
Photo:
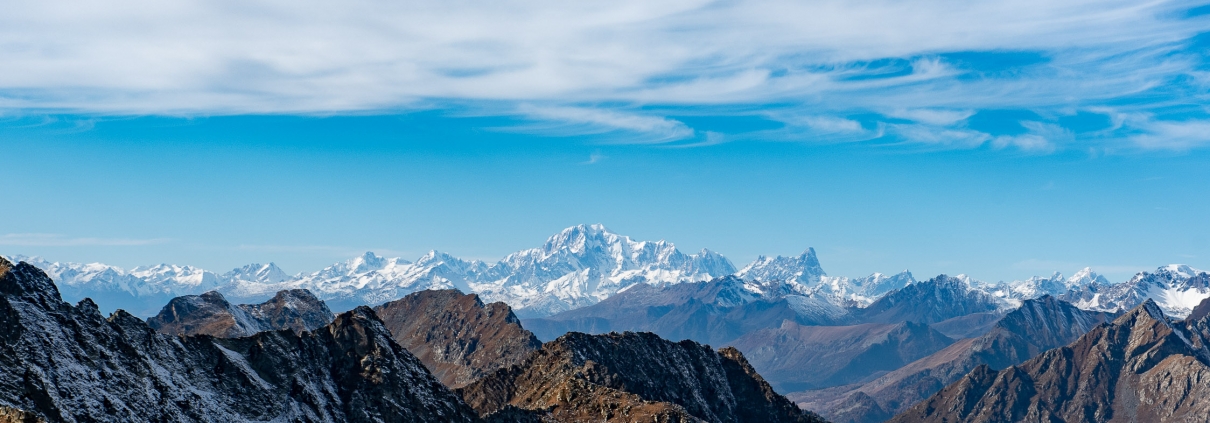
column 1142, row 367
column 211, row 314
column 932, row 301
column 1038, row 325
column 455, row 335
column 795, row 357
column 68, row 363
column 714, row 312
column 636, row 377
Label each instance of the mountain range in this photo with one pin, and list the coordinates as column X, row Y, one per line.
column 1142, row 367
column 65, row 363
column 578, row 267
column 1034, row 327
column 68, row 363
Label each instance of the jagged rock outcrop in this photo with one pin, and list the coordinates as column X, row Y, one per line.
column 630, row 377
column 1038, row 325
column 456, row 336
column 210, row 314
column 796, row 357
column 67, row 363
column 13, row 415
column 1141, row 368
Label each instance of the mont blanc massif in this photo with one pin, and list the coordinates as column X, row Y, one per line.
column 594, row 326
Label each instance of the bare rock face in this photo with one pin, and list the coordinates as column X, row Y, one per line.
column 631, row 377
column 65, row 363
column 1141, row 368
column 210, row 314
column 456, row 336
column 795, row 357
column 1038, row 325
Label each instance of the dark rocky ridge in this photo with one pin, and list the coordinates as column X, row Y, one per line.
column 210, row 314
column 1038, row 325
column 1141, row 368
column 67, row 363
column 796, row 357
column 456, row 336
column 636, row 377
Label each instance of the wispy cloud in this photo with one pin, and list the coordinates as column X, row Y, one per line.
column 597, row 67
column 56, row 240
column 594, row 158
column 632, row 127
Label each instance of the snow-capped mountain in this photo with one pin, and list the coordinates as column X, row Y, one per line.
column 803, row 269
column 581, row 266
column 258, row 273
column 141, row 290
column 1054, row 285
column 803, row 275
column 585, row 264
column 860, row 292
column 366, row 279
column 1175, row 288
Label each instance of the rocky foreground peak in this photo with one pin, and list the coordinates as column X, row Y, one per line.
column 1142, row 367
column 630, row 377
column 210, row 314
column 456, row 336
column 65, row 363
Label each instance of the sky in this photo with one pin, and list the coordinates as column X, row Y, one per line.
column 997, row 139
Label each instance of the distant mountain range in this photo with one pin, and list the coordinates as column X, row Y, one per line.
column 581, row 266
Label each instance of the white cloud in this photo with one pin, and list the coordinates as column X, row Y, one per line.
column 55, row 240
column 189, row 57
column 940, row 117
column 594, row 158
column 941, row 136
column 635, row 127
column 1155, row 134
column 1041, row 137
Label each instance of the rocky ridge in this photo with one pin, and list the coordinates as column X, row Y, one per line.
column 210, row 314
column 67, row 363
column 1038, row 325
column 630, row 377
column 457, row 337
column 1141, row 367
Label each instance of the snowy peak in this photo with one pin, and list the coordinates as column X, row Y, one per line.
column 1086, row 277
column 1175, row 289
column 580, row 238
column 259, row 273
column 368, row 262
column 803, row 269
column 1180, row 271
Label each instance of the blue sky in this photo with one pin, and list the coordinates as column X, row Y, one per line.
column 998, row 140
